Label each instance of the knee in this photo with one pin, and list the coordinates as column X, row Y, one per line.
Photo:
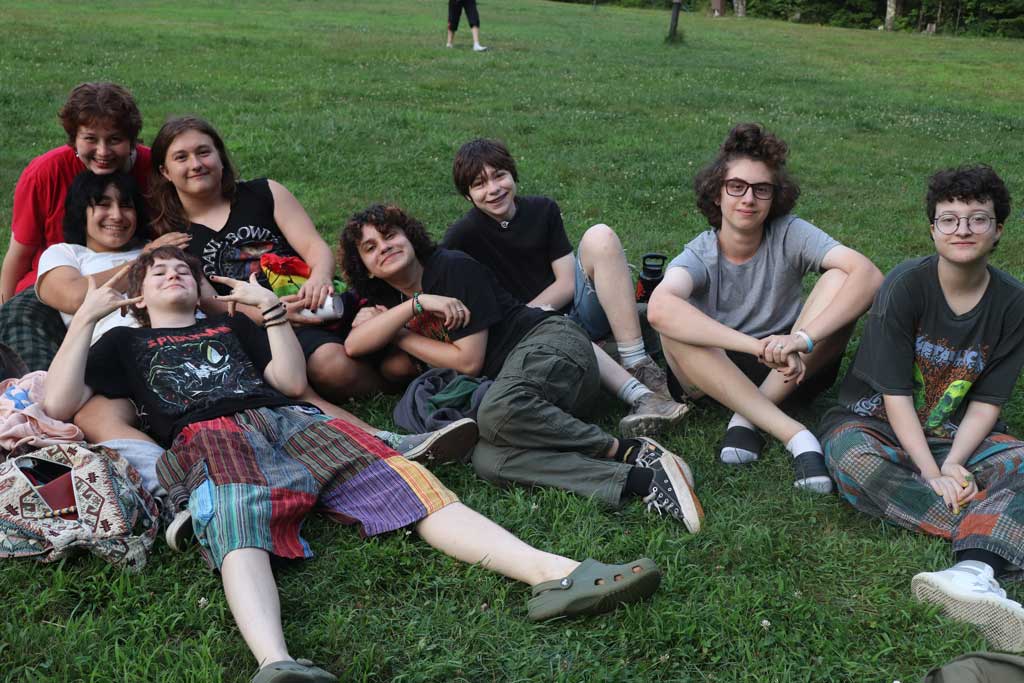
column 399, row 368
column 600, row 242
column 330, row 366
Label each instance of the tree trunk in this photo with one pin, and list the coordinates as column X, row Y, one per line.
column 740, row 7
column 673, row 25
column 890, row 14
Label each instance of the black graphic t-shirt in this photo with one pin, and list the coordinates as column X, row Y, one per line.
column 454, row 274
column 520, row 254
column 915, row 345
column 183, row 375
column 250, row 232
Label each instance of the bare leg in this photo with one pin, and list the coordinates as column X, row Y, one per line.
column 712, row 371
column 613, row 375
column 336, row 377
column 476, row 35
column 252, row 596
column 451, row 37
column 468, row 536
column 604, row 262
column 106, row 419
column 331, row 409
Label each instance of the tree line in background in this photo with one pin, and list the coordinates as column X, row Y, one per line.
column 952, row 17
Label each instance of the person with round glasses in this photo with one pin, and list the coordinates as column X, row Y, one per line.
column 733, row 321
column 917, row 438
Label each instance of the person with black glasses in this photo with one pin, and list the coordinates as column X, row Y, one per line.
column 731, row 314
column 916, row 438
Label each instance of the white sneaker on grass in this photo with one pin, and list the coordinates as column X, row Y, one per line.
column 968, row 591
column 479, row 48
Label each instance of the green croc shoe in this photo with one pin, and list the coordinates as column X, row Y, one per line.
column 299, row 671
column 594, row 588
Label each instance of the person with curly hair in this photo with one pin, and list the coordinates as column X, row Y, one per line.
column 448, row 310
column 102, row 123
column 733, row 323
column 916, row 438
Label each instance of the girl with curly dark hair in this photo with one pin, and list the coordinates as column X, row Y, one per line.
column 730, row 310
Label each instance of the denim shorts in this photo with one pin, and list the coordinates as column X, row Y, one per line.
column 586, row 309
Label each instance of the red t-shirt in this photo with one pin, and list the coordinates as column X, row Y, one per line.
column 38, row 216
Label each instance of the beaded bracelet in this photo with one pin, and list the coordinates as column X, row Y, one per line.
column 417, row 307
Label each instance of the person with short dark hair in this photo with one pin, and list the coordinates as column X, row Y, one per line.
column 251, row 463
column 455, row 10
column 448, row 310
column 106, row 226
column 102, row 123
column 730, row 309
column 523, row 240
column 916, row 438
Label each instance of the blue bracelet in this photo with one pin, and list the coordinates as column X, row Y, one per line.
column 807, row 338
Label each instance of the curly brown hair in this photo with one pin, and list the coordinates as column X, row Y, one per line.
column 747, row 141
column 168, row 213
column 386, row 219
column 89, row 103
column 145, row 261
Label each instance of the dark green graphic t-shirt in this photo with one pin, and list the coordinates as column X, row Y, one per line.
column 915, row 345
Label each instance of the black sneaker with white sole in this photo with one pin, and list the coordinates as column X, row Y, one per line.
column 811, row 474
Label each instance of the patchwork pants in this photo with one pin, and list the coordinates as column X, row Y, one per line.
column 878, row 477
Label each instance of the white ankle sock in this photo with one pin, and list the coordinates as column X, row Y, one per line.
column 632, row 352
column 740, row 421
column 801, row 443
column 733, row 455
column 632, row 391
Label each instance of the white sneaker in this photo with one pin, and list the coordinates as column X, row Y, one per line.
column 479, row 48
column 969, row 592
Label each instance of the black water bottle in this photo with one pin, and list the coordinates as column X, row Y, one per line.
column 652, row 271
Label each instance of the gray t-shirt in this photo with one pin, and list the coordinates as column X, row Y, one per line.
column 764, row 295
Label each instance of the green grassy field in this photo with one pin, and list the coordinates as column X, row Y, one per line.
column 350, row 102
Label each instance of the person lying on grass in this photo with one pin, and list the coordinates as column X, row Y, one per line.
column 523, row 241
column 916, row 438
column 447, row 310
column 229, row 224
column 732, row 322
column 251, row 462
column 102, row 123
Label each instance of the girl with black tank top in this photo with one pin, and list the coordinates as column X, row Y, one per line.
column 232, row 223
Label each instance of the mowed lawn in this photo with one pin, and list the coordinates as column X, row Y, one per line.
column 352, row 102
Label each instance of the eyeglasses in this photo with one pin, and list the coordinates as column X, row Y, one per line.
column 977, row 223
column 735, row 187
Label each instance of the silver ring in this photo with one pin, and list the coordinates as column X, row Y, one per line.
column 780, row 345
